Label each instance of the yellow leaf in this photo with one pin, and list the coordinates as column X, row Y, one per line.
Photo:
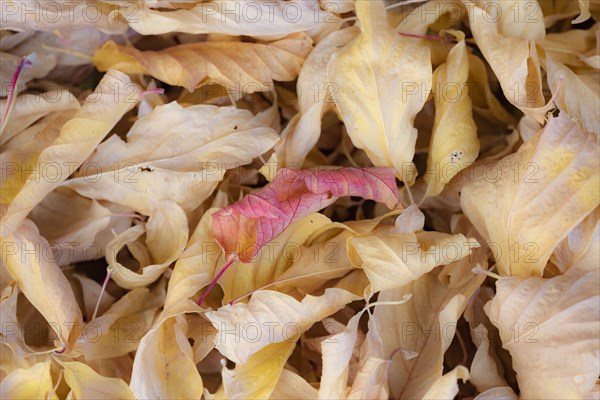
column 536, row 196
column 484, row 101
column 270, row 317
column 114, row 96
column 166, row 237
column 382, row 81
column 31, row 383
column 454, row 144
column 392, row 260
column 578, row 96
column 292, row 386
column 240, row 67
column 119, row 330
column 78, row 227
column 186, row 139
column 164, row 365
column 28, row 259
column 85, row 383
column 422, row 328
column 257, row 378
column 274, row 259
column 446, row 386
column 507, row 44
column 314, row 100
column 29, row 108
column 551, row 328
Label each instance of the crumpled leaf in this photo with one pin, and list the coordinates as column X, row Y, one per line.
column 508, row 44
column 424, row 326
column 342, row 376
column 114, row 96
column 559, row 162
column 25, row 256
column 244, row 227
column 337, row 355
column 233, row 65
column 551, row 328
column 272, row 317
column 152, row 368
column 383, row 91
column 454, row 144
column 166, row 237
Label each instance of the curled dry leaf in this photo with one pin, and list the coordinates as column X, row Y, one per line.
column 77, row 140
column 233, row 65
column 508, row 44
column 42, row 281
column 164, row 366
column 543, row 320
column 277, row 318
column 286, row 136
column 127, row 320
column 435, row 306
column 559, row 162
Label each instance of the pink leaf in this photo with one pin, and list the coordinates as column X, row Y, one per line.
column 245, row 227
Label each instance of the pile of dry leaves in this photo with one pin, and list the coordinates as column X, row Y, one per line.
column 300, row 199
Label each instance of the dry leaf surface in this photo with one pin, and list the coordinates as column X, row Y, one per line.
column 300, row 199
